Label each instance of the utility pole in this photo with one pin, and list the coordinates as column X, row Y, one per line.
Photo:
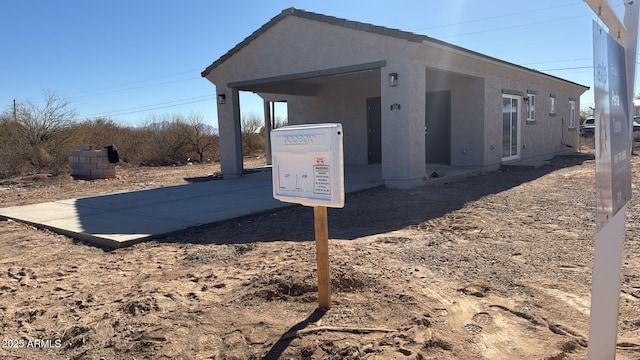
column 15, row 111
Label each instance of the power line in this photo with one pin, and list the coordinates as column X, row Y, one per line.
column 165, row 107
column 133, row 82
column 569, row 68
column 118, row 88
column 528, row 11
column 134, row 88
column 512, row 27
column 6, row 104
column 144, row 108
column 556, row 61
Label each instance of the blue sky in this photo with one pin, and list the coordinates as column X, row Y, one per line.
column 130, row 60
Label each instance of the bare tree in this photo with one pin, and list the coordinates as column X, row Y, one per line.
column 251, row 123
column 44, row 123
column 172, row 139
column 45, row 129
column 252, row 140
column 202, row 137
column 168, row 140
column 280, row 122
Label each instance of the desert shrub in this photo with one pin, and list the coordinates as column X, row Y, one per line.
column 165, row 142
column 98, row 131
column 160, row 141
column 101, row 132
column 14, row 153
column 37, row 137
column 177, row 139
column 40, row 137
column 132, row 144
column 252, row 139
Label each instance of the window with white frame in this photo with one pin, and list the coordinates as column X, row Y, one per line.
column 552, row 104
column 572, row 114
column 531, row 107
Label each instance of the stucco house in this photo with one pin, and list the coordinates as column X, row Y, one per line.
column 404, row 100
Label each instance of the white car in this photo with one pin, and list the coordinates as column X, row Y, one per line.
column 588, row 127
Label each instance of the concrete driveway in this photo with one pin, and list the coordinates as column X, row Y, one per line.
column 123, row 219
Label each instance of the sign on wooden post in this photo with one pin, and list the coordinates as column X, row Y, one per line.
column 308, row 169
column 322, row 256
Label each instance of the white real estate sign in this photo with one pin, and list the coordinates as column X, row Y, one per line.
column 308, row 165
column 308, row 169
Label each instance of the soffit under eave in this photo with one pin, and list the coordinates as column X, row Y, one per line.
column 283, row 88
column 310, row 82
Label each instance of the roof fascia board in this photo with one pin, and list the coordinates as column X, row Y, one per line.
column 247, row 40
column 381, row 30
column 309, row 74
column 495, row 61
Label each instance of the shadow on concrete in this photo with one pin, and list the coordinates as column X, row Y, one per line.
column 198, row 179
column 123, row 219
column 243, row 210
column 218, row 176
column 370, row 212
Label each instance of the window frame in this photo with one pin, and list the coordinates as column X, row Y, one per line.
column 531, row 108
column 572, row 114
column 513, row 121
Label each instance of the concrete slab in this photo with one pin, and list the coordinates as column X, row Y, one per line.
column 123, row 219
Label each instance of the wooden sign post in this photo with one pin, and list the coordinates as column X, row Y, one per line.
column 308, row 169
column 322, row 256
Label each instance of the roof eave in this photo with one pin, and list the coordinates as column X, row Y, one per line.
column 355, row 25
column 284, row 13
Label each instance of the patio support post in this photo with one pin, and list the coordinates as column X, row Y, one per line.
column 230, row 134
column 403, row 119
column 268, row 121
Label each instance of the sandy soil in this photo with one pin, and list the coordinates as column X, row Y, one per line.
column 492, row 267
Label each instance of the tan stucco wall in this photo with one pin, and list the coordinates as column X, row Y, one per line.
column 403, row 141
column 344, row 102
column 467, row 120
column 296, row 45
column 539, row 140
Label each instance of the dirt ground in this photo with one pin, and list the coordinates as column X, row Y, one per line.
column 496, row 266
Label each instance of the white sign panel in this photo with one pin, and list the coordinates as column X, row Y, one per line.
column 612, row 141
column 308, row 165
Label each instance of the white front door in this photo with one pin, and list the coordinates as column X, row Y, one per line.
column 510, row 127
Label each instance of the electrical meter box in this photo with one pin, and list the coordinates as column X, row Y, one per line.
column 308, row 164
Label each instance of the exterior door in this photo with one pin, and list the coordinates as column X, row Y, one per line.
column 510, row 127
column 374, row 130
column 438, row 127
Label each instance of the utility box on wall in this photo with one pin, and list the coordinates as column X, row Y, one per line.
column 308, row 164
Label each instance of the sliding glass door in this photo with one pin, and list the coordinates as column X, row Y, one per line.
column 510, row 127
